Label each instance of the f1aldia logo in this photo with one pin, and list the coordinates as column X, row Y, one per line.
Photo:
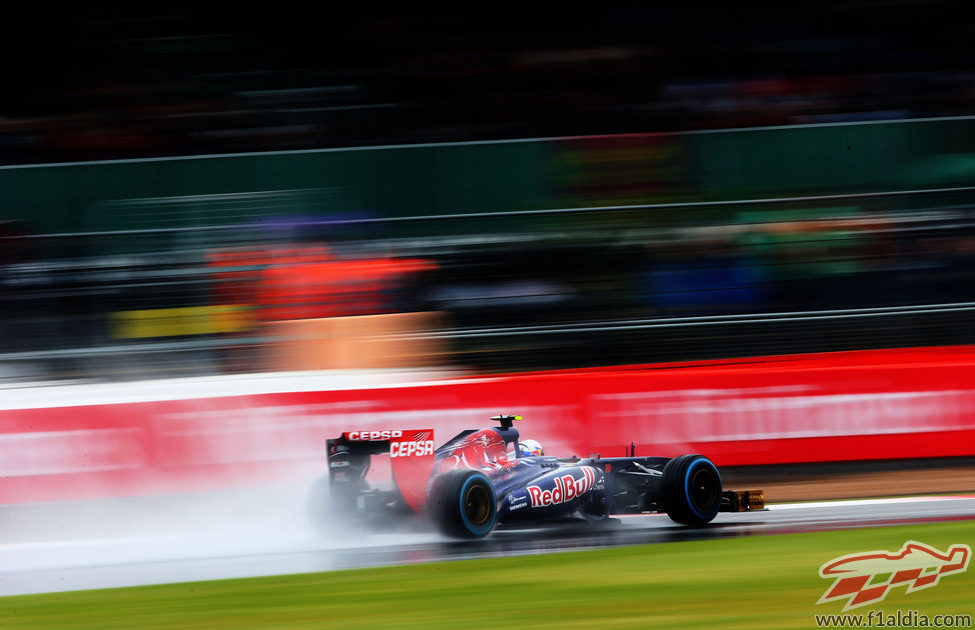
column 865, row 578
column 566, row 488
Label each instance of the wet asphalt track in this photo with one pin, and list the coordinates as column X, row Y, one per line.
column 275, row 545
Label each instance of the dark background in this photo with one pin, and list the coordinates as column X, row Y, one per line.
column 91, row 84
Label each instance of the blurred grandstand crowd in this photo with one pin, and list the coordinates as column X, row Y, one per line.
column 196, row 271
column 90, row 85
column 562, row 293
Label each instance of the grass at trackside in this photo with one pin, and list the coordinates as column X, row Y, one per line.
column 752, row 582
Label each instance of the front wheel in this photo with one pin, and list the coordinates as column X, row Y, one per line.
column 691, row 490
column 463, row 504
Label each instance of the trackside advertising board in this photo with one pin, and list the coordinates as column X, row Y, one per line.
column 805, row 408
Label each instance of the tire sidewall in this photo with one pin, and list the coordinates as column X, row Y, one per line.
column 678, row 502
column 447, row 504
column 476, row 530
column 696, row 464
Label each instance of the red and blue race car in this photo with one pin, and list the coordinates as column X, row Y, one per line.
column 479, row 479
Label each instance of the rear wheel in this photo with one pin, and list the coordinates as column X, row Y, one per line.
column 691, row 490
column 463, row 504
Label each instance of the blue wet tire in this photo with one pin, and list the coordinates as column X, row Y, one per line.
column 691, row 490
column 463, row 504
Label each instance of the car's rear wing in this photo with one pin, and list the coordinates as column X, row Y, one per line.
column 411, row 459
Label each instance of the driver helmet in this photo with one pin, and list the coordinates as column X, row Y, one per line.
column 529, row 448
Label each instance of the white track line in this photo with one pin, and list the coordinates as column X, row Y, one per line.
column 861, row 502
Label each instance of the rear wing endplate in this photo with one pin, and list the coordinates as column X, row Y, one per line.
column 410, row 451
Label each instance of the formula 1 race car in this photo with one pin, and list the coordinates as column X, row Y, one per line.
column 472, row 483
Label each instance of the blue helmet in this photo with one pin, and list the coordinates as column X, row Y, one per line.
column 529, row 448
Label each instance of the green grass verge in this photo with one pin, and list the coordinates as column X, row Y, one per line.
column 751, row 582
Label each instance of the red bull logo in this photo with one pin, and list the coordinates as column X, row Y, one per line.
column 866, row 578
column 566, row 488
column 480, row 450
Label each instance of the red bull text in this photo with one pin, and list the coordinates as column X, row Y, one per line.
column 566, row 488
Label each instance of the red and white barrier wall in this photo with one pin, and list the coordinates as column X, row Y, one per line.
column 830, row 407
